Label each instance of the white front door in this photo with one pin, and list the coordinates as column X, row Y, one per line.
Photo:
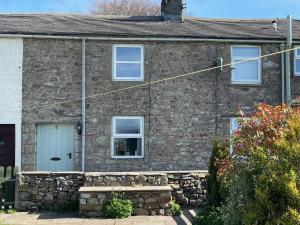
column 55, row 147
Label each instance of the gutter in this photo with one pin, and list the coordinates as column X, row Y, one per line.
column 282, row 48
column 164, row 39
column 83, row 115
column 288, row 62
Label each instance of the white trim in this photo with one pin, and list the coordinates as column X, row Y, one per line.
column 114, row 63
column 114, row 135
column 296, row 57
column 259, row 72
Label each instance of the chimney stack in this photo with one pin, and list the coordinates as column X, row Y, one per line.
column 172, row 10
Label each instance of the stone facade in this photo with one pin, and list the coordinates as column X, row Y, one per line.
column 53, row 190
column 182, row 116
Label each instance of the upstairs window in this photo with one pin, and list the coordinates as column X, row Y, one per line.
column 248, row 72
column 128, row 62
column 127, row 137
column 297, row 62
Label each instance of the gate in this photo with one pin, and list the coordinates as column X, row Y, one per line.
column 7, row 187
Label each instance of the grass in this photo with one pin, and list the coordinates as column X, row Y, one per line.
column 8, row 211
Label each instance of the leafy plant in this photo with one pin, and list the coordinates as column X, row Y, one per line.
column 208, row 216
column 264, row 177
column 176, row 209
column 216, row 180
column 118, row 207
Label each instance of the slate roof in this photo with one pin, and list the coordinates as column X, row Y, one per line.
column 90, row 25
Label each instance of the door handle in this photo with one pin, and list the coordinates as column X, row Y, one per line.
column 70, row 155
column 55, row 159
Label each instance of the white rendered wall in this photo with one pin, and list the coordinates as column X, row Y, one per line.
column 11, row 58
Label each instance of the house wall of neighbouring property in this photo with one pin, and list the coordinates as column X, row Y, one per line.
column 11, row 56
column 182, row 116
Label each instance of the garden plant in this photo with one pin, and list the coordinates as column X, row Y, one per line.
column 260, row 182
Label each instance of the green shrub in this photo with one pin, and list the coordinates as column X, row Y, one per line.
column 176, row 209
column 118, row 207
column 264, row 177
column 208, row 216
column 216, row 181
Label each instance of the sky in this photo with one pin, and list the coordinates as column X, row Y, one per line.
column 197, row 8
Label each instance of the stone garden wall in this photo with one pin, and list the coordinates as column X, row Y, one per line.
column 55, row 190
column 154, row 202
column 35, row 191
column 101, row 179
column 189, row 188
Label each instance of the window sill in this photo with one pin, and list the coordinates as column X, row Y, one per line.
column 247, row 85
column 127, row 157
column 129, row 80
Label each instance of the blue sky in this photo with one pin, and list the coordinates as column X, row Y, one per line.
column 199, row 8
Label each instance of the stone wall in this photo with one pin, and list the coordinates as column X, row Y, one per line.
column 144, row 202
column 47, row 190
column 125, row 179
column 53, row 190
column 189, row 188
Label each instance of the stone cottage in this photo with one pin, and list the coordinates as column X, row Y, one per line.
column 80, row 92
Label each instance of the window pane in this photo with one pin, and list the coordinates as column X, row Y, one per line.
column 132, row 70
column 234, row 125
column 128, row 147
column 128, row 54
column 297, row 66
column 128, row 126
column 248, row 52
column 298, row 52
column 246, row 71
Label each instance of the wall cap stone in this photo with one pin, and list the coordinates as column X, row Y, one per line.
column 125, row 188
column 43, row 173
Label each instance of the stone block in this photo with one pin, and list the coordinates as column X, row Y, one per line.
column 92, row 201
column 85, row 195
column 151, row 205
column 23, row 187
column 101, row 196
column 24, row 196
column 82, row 201
column 141, row 212
column 150, row 200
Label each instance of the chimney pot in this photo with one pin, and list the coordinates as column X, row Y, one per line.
column 172, row 10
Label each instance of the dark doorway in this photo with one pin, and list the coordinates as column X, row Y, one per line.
column 7, row 145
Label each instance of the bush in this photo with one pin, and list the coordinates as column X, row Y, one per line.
column 208, row 216
column 216, row 185
column 118, row 207
column 176, row 209
column 216, row 180
column 264, row 177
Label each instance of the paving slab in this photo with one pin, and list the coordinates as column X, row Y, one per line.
column 52, row 218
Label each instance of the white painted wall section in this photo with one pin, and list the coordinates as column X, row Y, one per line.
column 11, row 59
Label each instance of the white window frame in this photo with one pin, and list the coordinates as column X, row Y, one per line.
column 140, row 135
column 114, row 59
column 259, row 81
column 296, row 57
